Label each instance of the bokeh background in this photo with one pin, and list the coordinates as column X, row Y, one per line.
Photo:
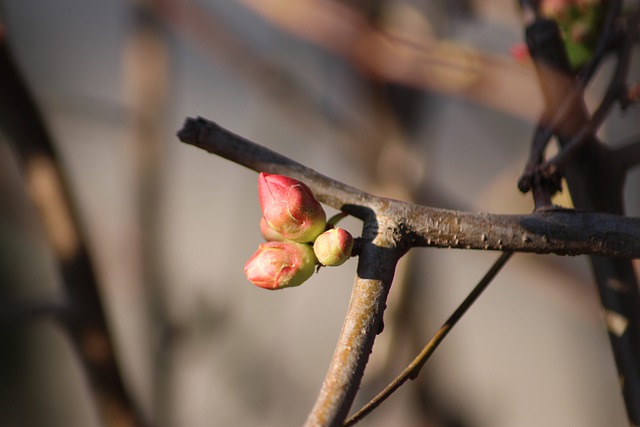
column 416, row 100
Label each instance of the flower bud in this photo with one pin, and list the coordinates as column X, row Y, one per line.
column 277, row 265
column 333, row 247
column 289, row 208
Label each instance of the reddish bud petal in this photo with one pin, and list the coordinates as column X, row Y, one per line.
column 277, row 265
column 289, row 208
column 333, row 247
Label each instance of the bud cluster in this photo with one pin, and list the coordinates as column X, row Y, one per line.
column 295, row 227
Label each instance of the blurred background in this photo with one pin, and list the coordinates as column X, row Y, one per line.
column 415, row 100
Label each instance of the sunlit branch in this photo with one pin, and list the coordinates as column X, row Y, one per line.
column 559, row 231
column 411, row 372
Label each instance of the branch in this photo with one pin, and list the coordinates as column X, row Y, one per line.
column 564, row 114
column 147, row 63
column 85, row 319
column 565, row 108
column 363, row 322
column 616, row 92
column 425, row 63
column 391, row 228
column 596, row 184
column 411, row 372
column 559, row 231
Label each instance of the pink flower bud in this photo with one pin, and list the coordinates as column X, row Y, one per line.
column 269, row 234
column 289, row 208
column 333, row 247
column 277, row 265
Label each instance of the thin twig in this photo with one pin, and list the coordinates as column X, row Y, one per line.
column 413, row 369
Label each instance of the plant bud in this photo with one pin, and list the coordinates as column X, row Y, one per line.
column 333, row 247
column 288, row 206
column 277, row 265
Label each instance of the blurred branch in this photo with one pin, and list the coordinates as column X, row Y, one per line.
column 85, row 318
column 552, row 83
column 596, row 184
column 223, row 43
column 439, row 66
column 147, row 64
column 616, row 92
column 220, row 41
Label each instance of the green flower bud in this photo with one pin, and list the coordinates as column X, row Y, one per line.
column 333, row 247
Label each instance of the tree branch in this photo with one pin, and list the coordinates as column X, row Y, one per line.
column 411, row 372
column 596, row 184
column 565, row 106
column 363, row 321
column 559, row 231
column 392, row 227
column 616, row 92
